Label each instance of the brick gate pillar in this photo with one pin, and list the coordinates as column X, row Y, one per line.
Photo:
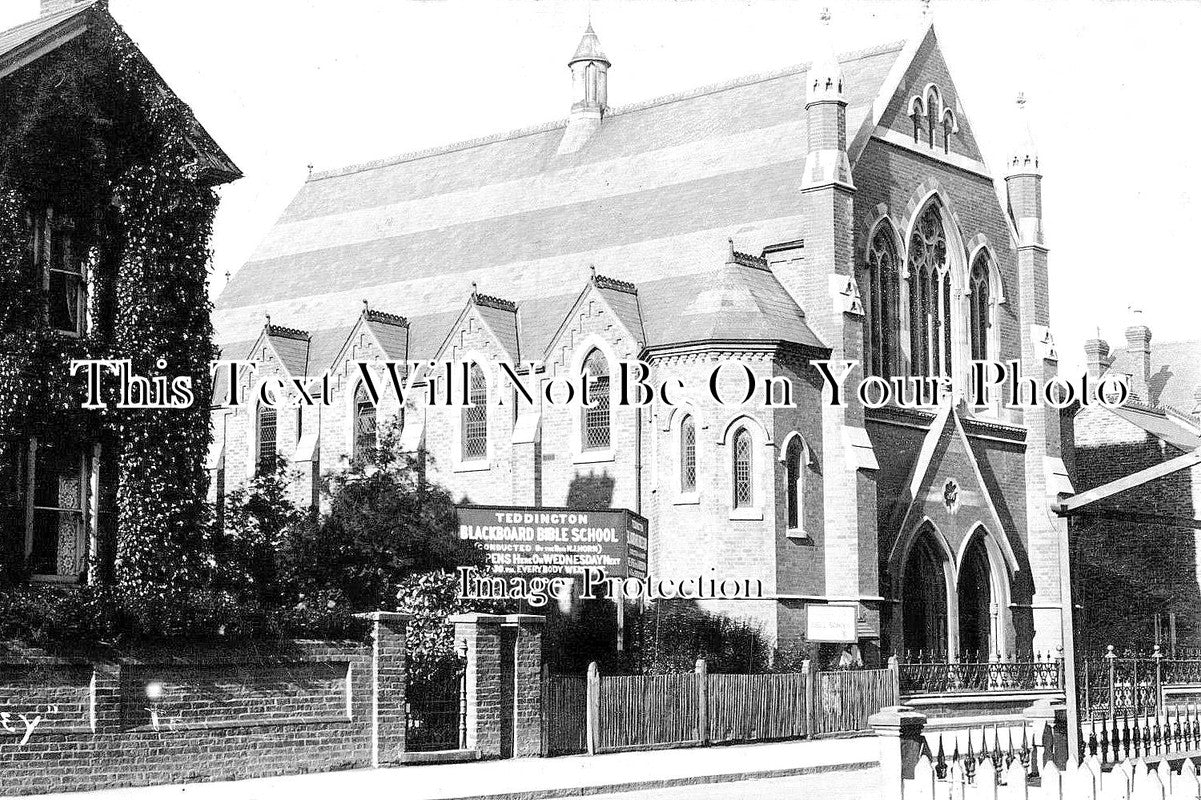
column 482, row 635
column 389, row 680
column 527, row 683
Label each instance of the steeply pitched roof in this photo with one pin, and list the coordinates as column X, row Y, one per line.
column 735, row 301
column 1175, row 373
column 651, row 199
column 1173, row 431
column 292, row 346
column 31, row 40
column 15, row 42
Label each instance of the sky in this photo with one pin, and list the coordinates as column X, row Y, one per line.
column 285, row 84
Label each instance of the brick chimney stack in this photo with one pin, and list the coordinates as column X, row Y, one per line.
column 1097, row 357
column 54, row 6
column 1138, row 349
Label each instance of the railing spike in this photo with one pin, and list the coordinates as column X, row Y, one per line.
column 940, row 763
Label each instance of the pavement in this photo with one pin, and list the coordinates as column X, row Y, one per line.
column 847, row 769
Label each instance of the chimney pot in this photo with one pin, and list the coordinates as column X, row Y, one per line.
column 1097, row 357
column 1138, row 347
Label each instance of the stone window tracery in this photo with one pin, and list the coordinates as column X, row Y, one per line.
column 980, row 307
column 883, row 289
column 929, row 296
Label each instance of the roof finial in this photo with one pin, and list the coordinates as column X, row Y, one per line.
column 592, row 269
column 228, row 274
column 475, row 289
column 268, row 316
column 925, row 9
column 825, row 16
column 366, row 305
column 731, row 248
column 1021, row 101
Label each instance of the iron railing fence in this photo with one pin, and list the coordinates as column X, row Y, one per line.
column 929, row 672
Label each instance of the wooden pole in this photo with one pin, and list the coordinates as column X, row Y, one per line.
column 810, row 695
column 592, row 705
column 619, row 599
column 702, row 701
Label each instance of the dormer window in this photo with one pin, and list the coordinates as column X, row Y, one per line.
column 61, row 262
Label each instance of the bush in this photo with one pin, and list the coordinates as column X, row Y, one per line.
column 431, row 598
column 92, row 615
column 386, row 523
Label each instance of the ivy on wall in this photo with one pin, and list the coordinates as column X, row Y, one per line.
column 91, row 132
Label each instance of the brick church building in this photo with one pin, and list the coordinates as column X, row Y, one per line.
column 838, row 209
column 1151, row 594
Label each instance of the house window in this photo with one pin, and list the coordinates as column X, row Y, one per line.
column 57, row 540
column 883, row 291
column 365, row 430
column 61, row 261
column 596, row 416
column 743, row 495
column 475, row 418
column 929, row 296
column 268, row 454
column 794, row 462
column 688, row 455
column 980, row 309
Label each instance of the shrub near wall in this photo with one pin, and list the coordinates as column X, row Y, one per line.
column 194, row 713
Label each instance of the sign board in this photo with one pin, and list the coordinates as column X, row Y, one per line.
column 831, row 623
column 557, row 541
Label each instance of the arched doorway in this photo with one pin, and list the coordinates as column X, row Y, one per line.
column 924, row 597
column 975, row 603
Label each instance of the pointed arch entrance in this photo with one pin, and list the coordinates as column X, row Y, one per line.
column 925, row 609
column 975, row 603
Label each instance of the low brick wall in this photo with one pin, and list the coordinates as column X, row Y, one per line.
column 70, row 723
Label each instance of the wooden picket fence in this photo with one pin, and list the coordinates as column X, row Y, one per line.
column 1133, row 779
column 600, row 714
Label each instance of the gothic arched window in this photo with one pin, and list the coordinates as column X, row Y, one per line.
column 596, row 429
column 475, row 418
column 915, row 114
column 743, row 489
column 365, row 423
column 948, row 127
column 929, row 296
column 688, row 455
column 883, row 307
column 933, row 104
column 794, row 467
column 267, row 456
column 979, row 320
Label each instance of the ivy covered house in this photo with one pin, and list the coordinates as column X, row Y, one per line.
column 106, row 204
